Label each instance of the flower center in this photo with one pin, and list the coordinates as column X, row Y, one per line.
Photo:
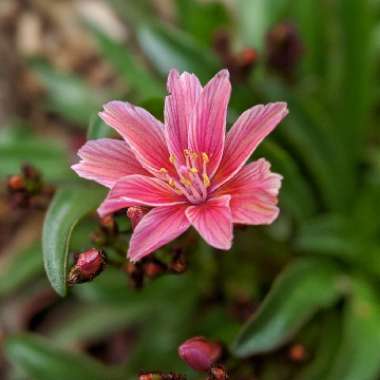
column 192, row 180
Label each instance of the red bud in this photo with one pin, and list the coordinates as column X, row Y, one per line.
column 199, row 353
column 135, row 214
column 16, row 182
column 88, row 265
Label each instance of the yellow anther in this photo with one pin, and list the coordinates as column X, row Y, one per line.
column 193, row 170
column 206, row 180
column 172, row 158
column 163, row 171
column 185, row 181
column 205, row 157
column 171, row 182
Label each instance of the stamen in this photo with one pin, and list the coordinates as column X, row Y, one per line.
column 172, row 159
column 206, row 180
column 205, row 158
column 194, row 170
column 163, row 171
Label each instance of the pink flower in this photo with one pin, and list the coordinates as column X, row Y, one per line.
column 188, row 170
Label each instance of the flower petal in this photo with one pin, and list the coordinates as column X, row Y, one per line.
column 254, row 192
column 139, row 190
column 245, row 135
column 142, row 131
column 157, row 228
column 208, row 120
column 213, row 221
column 184, row 91
column 106, row 161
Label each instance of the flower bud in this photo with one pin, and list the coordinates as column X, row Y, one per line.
column 179, row 263
column 199, row 353
column 154, row 268
column 218, row 373
column 16, row 183
column 297, row 353
column 284, row 48
column 88, row 265
column 135, row 214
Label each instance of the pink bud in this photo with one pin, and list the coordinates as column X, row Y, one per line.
column 89, row 264
column 199, row 353
column 135, row 214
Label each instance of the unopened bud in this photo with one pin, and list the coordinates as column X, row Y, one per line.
column 88, row 265
column 135, row 214
column 218, row 373
column 108, row 223
column 179, row 263
column 284, row 48
column 199, row 353
column 297, row 353
column 16, row 183
column 154, row 268
column 135, row 274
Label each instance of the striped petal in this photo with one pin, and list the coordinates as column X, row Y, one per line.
column 245, row 135
column 253, row 192
column 106, row 161
column 139, row 190
column 143, row 133
column 208, row 120
column 157, row 228
column 184, row 91
column 213, row 221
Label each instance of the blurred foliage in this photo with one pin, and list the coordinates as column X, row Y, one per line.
column 311, row 278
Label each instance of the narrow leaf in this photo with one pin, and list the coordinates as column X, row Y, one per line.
column 301, row 290
column 41, row 360
column 67, row 207
column 358, row 357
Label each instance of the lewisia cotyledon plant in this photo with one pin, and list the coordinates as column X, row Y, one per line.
column 187, row 170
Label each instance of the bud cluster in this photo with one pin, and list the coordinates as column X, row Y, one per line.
column 27, row 190
column 152, row 267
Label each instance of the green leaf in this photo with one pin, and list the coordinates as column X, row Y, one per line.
column 68, row 206
column 21, row 268
column 93, row 321
column 358, row 357
column 169, row 48
column 18, row 146
column 330, row 338
column 304, row 288
column 68, row 95
column 357, row 73
column 255, row 17
column 296, row 195
column 97, row 128
column 202, row 20
column 128, row 66
column 41, row 360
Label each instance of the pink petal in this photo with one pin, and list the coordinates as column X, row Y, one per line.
column 143, row 133
column 139, row 190
column 157, row 228
column 184, row 91
column 106, row 161
column 208, row 120
column 213, row 221
column 254, row 192
column 245, row 135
